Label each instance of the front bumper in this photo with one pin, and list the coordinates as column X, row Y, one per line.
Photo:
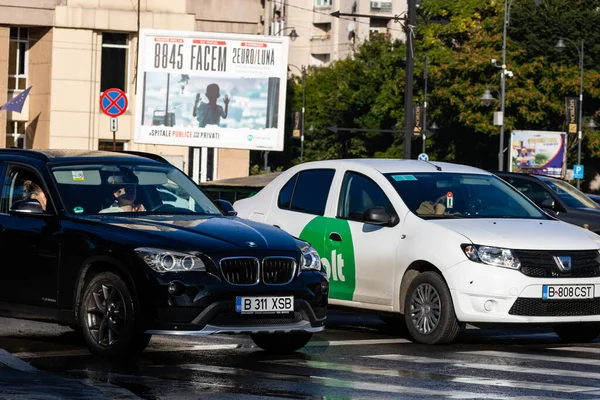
column 488, row 294
column 205, row 305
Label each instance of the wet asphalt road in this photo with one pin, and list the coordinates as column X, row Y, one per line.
column 357, row 357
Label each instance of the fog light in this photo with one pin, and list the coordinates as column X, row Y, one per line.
column 325, row 287
column 176, row 288
column 489, row 305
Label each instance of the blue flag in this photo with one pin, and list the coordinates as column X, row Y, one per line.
column 16, row 103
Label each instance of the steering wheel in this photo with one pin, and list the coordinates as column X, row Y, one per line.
column 162, row 207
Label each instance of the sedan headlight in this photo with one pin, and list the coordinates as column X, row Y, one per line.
column 495, row 256
column 170, row 261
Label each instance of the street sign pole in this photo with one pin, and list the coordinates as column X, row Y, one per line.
column 113, row 103
column 114, row 126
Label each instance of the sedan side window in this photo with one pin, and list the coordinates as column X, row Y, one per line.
column 22, row 184
column 285, row 195
column 309, row 191
column 534, row 191
column 359, row 194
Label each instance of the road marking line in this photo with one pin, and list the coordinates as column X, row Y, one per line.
column 593, row 350
column 537, row 357
column 355, row 342
column 490, row 367
column 436, row 376
column 340, row 383
column 81, row 352
column 14, row 362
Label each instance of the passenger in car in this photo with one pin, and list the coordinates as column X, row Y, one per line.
column 32, row 190
column 125, row 196
column 432, row 207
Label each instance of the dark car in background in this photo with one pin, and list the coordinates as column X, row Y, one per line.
column 560, row 198
column 124, row 246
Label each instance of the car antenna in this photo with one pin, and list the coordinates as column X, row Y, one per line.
column 436, row 166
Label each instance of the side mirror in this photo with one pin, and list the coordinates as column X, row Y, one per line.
column 377, row 216
column 226, row 208
column 26, row 207
column 549, row 204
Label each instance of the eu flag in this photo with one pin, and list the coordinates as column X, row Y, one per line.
column 16, row 103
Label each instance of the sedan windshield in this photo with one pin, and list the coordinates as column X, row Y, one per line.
column 108, row 188
column 569, row 194
column 453, row 195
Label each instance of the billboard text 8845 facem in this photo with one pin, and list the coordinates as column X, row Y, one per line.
column 211, row 90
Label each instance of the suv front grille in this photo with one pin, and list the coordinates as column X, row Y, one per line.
column 278, row 270
column 240, row 270
column 541, row 264
column 539, row 308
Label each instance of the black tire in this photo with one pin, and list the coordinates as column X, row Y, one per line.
column 578, row 332
column 437, row 308
column 110, row 328
column 281, row 343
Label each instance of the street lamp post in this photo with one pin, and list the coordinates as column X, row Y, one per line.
column 424, row 133
column 561, row 46
column 504, row 72
column 303, row 72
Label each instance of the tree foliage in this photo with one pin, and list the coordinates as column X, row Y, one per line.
column 366, row 91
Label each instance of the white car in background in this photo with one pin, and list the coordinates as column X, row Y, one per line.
column 442, row 244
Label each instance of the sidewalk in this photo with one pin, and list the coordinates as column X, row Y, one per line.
column 21, row 381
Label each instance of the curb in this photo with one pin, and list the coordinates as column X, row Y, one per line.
column 15, row 363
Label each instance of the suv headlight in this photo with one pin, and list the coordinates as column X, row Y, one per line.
column 310, row 260
column 170, row 261
column 495, row 256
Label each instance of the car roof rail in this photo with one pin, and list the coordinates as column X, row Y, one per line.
column 151, row 156
column 25, row 152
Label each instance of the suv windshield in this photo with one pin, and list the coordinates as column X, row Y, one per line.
column 454, row 195
column 569, row 194
column 93, row 189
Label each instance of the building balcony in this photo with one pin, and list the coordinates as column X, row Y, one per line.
column 321, row 44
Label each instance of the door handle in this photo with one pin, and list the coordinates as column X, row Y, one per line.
column 335, row 237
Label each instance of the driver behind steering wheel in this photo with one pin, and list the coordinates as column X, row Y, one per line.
column 124, row 195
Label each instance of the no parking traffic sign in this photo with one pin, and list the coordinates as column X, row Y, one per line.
column 113, row 102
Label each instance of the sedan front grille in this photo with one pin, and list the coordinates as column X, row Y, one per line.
column 541, row 264
column 564, row 308
column 240, row 270
column 278, row 270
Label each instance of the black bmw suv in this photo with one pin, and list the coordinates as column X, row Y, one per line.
column 123, row 246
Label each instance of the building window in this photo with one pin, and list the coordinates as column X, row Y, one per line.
column 323, row 3
column 107, row 145
column 15, row 135
column 17, row 58
column 115, row 57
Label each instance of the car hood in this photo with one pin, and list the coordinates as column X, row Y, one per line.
column 213, row 233
column 523, row 233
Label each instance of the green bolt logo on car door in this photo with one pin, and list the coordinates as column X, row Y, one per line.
column 337, row 257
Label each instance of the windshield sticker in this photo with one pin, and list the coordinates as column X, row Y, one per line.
column 449, row 200
column 78, row 210
column 78, row 175
column 404, row 178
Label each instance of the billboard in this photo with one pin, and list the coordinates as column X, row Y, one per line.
column 211, row 90
column 539, row 152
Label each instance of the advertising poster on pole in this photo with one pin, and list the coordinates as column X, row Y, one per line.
column 539, row 152
column 211, row 90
